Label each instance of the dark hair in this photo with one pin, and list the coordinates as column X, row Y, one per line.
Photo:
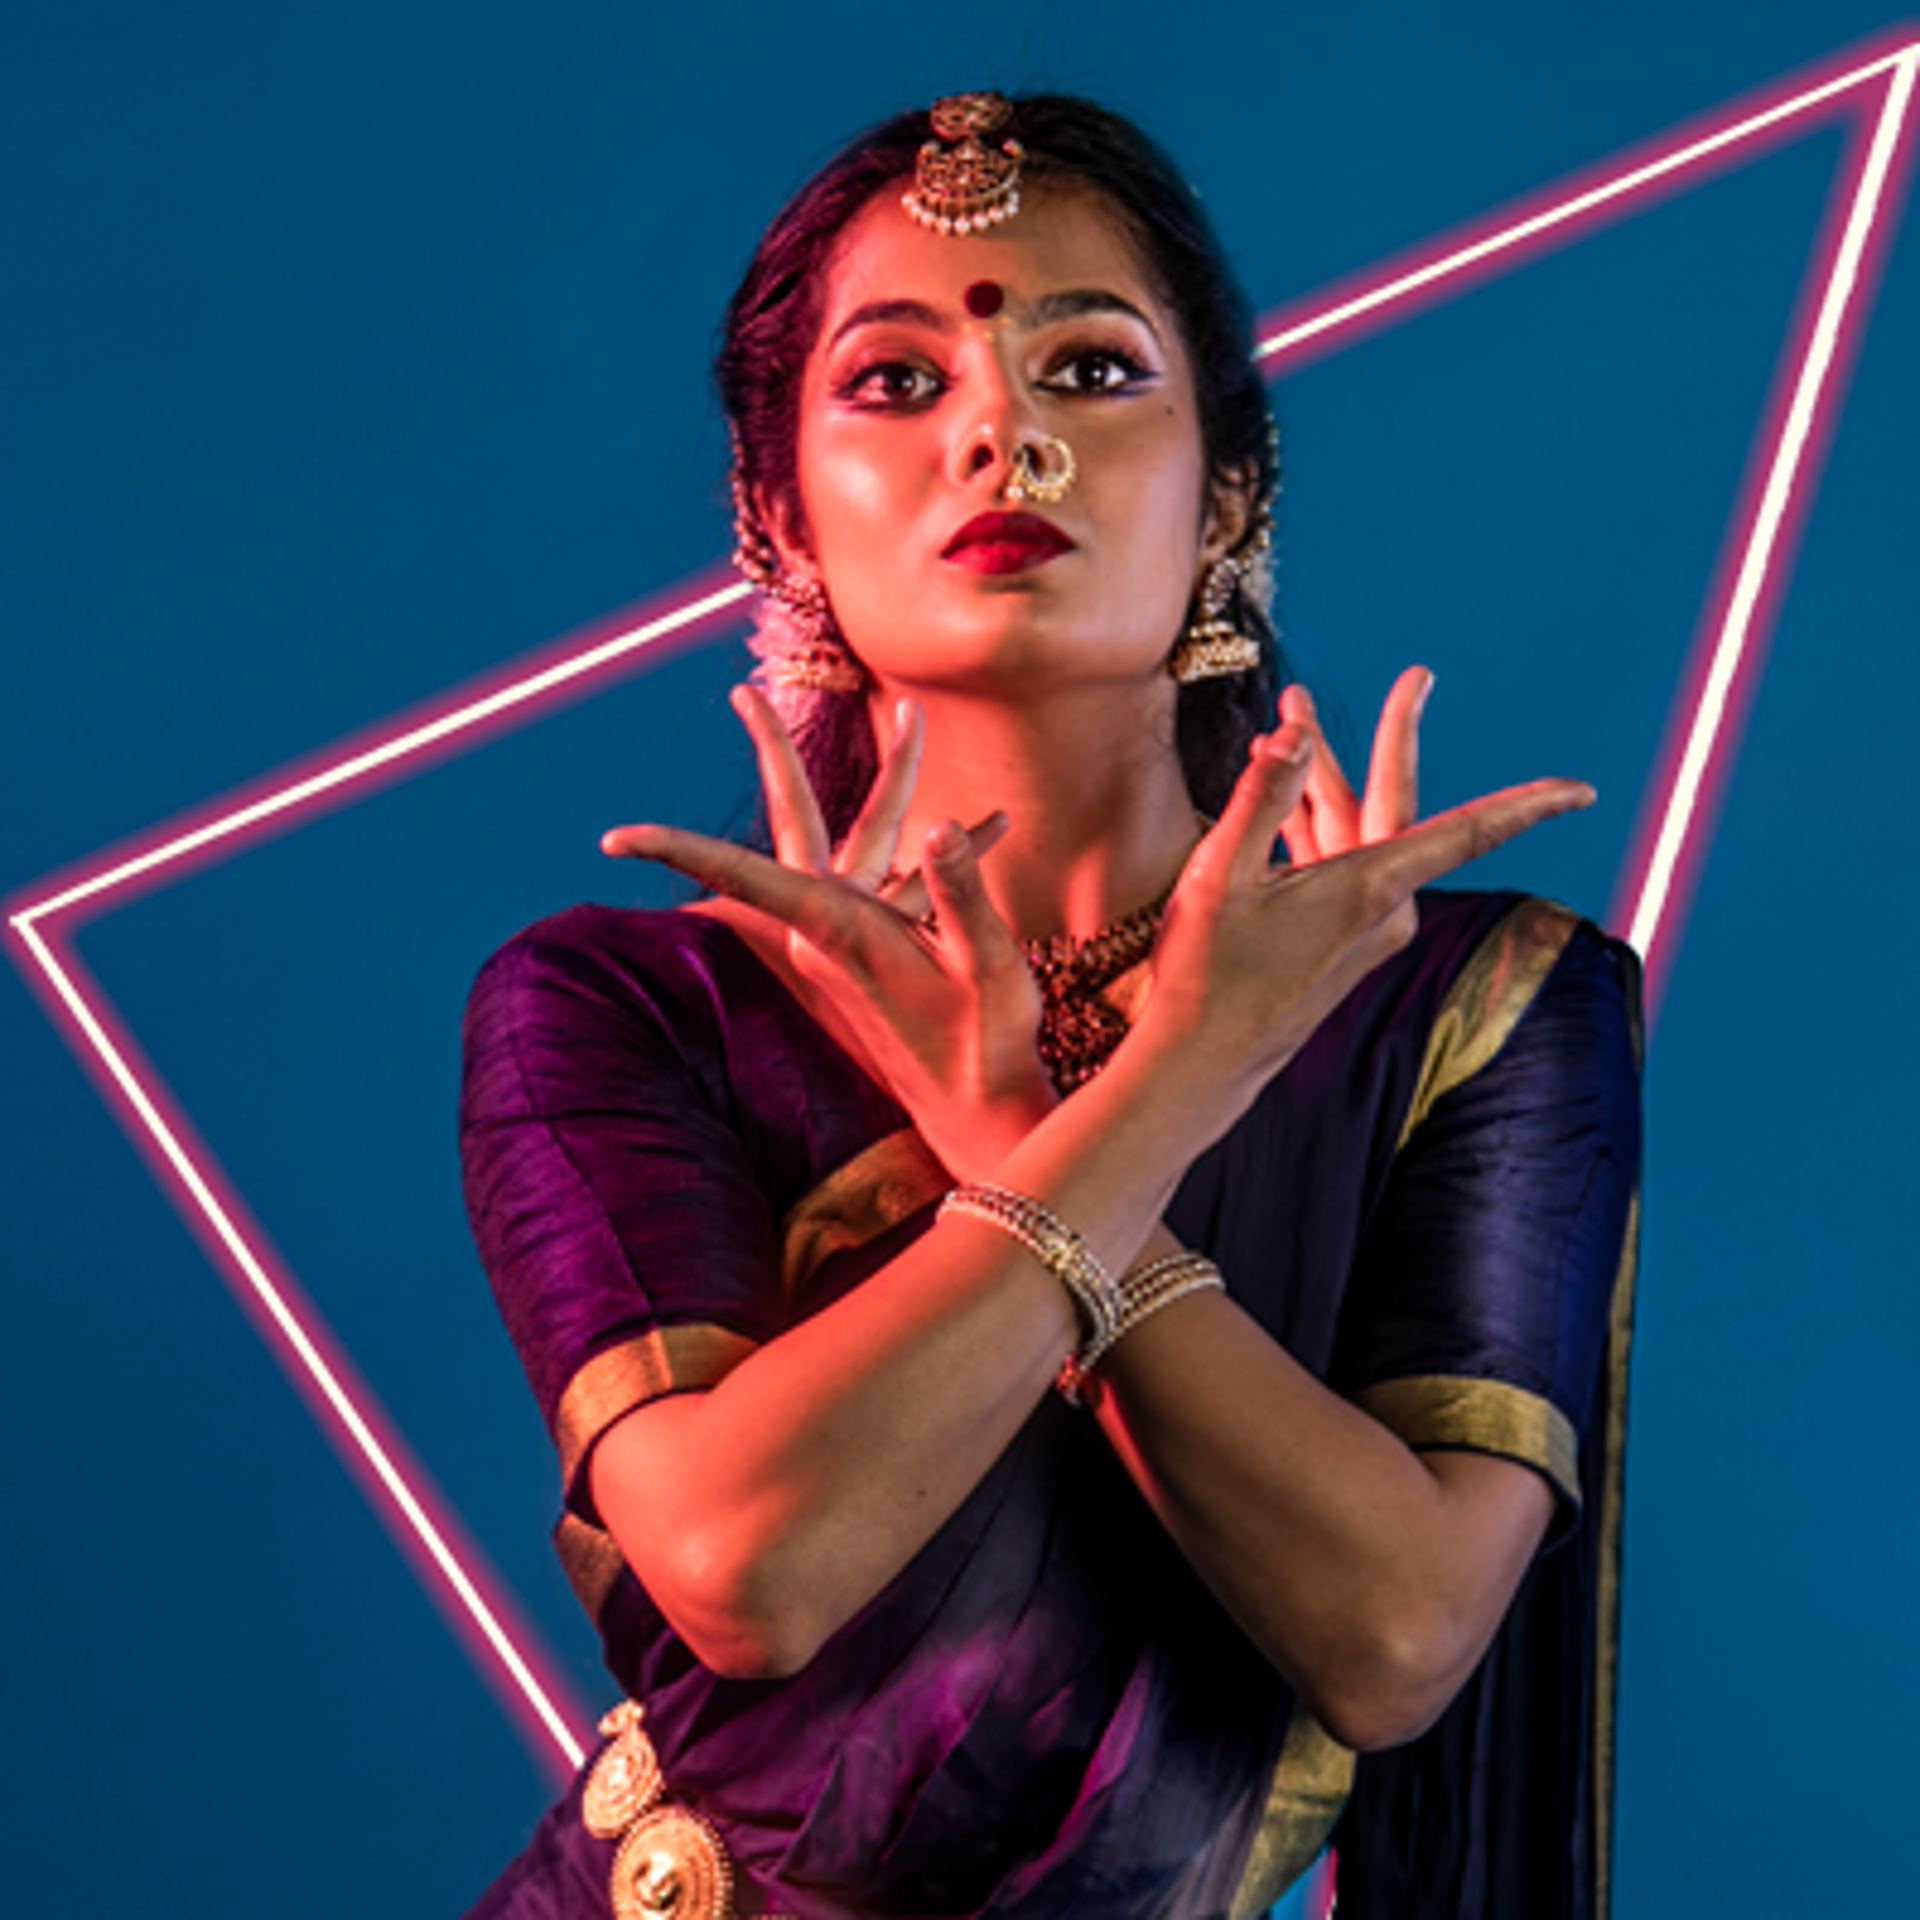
column 774, row 318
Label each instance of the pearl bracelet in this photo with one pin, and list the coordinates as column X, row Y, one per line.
column 1143, row 1292
column 1053, row 1243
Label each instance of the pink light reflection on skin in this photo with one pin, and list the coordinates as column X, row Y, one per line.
column 1666, row 852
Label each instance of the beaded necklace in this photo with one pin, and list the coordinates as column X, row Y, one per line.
column 1079, row 1025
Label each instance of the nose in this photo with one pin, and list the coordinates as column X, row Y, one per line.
column 988, row 433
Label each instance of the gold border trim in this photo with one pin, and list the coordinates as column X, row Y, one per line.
column 619, row 1378
column 591, row 1559
column 1311, row 1782
column 1486, row 1000
column 856, row 1203
column 1606, row 1656
column 1483, row 1416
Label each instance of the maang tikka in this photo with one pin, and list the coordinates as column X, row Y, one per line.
column 960, row 184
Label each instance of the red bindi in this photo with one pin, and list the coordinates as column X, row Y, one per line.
column 985, row 298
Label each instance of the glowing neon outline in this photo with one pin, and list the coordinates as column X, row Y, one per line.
column 1761, row 539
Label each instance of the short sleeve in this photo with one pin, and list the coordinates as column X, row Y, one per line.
column 630, row 1245
column 1478, row 1312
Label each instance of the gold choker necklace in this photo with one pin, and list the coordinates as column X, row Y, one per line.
column 1079, row 1025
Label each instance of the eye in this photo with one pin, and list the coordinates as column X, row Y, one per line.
column 889, row 386
column 1096, row 370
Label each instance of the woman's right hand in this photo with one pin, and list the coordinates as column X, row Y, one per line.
column 1252, row 956
column 917, row 969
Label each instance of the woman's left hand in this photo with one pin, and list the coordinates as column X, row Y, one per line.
column 1331, row 819
column 918, row 969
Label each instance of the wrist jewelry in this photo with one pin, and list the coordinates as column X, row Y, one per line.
column 1053, row 1243
column 1143, row 1292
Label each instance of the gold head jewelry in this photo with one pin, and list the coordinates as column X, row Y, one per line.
column 960, row 184
column 1041, row 472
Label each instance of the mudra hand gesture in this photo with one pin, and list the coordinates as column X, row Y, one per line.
column 916, row 968
column 922, row 973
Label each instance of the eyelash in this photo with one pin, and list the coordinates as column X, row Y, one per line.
column 1134, row 373
column 867, row 387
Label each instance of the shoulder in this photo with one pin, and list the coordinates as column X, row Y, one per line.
column 633, row 944
column 596, row 995
column 1522, row 975
column 671, row 969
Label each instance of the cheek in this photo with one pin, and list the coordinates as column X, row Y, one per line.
column 852, row 494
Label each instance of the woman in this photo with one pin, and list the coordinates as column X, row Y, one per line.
column 794, row 1201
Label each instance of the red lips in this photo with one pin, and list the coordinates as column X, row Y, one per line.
column 1006, row 543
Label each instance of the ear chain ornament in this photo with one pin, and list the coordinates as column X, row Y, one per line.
column 960, row 185
column 798, row 642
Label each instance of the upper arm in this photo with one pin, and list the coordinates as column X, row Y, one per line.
column 630, row 1247
column 1479, row 1307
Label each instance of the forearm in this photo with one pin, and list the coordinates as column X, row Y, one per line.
column 763, row 1514
column 1371, row 1576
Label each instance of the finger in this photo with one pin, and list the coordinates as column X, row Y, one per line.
column 911, row 899
column 799, row 834
column 1393, row 774
column 872, row 845
column 1331, row 807
column 1239, row 850
column 820, row 910
column 971, row 928
column 1303, row 843
column 1424, row 853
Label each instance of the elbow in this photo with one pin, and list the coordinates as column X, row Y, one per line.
column 736, row 1612
column 1387, row 1683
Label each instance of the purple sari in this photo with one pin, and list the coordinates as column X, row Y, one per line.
column 1047, row 1713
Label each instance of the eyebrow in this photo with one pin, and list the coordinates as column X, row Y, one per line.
column 1044, row 312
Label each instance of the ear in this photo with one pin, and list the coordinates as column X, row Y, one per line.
column 1229, row 514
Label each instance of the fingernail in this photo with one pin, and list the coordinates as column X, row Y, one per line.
column 1420, row 705
column 902, row 719
column 946, row 841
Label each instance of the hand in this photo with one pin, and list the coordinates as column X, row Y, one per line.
column 1252, row 957
column 945, row 1012
column 1328, row 819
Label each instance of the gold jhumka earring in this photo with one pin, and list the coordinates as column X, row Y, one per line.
column 1213, row 645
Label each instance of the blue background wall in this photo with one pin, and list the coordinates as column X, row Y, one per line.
column 352, row 350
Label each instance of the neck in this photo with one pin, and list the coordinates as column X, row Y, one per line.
column 1090, row 781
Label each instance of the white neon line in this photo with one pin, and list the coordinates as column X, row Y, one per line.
column 1710, row 713
column 309, row 1356
column 1566, row 210
column 442, row 727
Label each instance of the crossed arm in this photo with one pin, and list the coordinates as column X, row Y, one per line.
column 764, row 1513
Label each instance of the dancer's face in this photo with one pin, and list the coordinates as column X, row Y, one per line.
column 935, row 358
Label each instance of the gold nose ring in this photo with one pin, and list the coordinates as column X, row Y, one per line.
column 1042, row 471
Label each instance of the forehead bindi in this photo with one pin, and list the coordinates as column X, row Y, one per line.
column 1062, row 239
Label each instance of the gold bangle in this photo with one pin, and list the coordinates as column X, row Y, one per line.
column 1052, row 1242
column 1143, row 1292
